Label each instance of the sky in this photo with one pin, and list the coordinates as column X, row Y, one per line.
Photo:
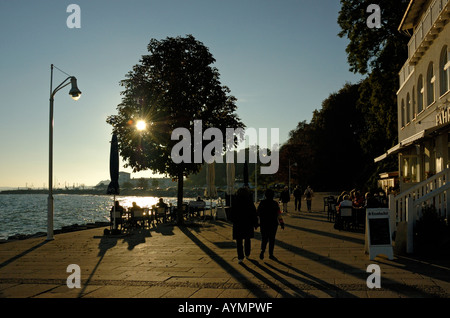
column 280, row 59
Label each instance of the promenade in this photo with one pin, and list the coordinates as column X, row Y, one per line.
column 314, row 261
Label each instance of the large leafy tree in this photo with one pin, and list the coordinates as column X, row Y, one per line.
column 327, row 150
column 380, row 54
column 175, row 84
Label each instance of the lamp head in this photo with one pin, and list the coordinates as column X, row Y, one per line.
column 74, row 91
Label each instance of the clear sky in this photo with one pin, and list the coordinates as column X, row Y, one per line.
column 280, row 59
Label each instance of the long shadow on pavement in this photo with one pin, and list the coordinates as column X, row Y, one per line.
column 271, row 284
column 255, row 289
column 14, row 258
column 298, row 291
column 328, row 288
column 329, row 234
column 356, row 272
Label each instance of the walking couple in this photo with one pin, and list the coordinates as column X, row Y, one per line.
column 244, row 216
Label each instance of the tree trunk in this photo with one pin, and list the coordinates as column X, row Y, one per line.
column 180, row 219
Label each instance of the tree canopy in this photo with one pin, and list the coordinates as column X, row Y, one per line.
column 171, row 87
column 336, row 149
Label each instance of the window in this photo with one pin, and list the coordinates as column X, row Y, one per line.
column 444, row 71
column 413, row 103
column 420, row 94
column 403, row 113
column 408, row 109
column 430, row 84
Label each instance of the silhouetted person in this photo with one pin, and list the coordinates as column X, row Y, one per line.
column 285, row 197
column 244, row 218
column 135, row 206
column 161, row 204
column 308, row 196
column 269, row 217
column 298, row 198
column 118, row 207
column 117, row 220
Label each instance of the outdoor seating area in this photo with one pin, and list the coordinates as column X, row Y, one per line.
column 125, row 219
column 348, row 210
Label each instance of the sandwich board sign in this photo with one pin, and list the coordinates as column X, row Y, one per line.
column 378, row 233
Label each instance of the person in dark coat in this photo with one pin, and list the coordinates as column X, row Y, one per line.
column 285, row 197
column 269, row 218
column 245, row 221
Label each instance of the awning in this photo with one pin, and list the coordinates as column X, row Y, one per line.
column 444, row 125
column 413, row 139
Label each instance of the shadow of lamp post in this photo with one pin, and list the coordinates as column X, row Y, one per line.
column 75, row 93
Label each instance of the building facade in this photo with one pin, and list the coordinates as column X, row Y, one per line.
column 424, row 94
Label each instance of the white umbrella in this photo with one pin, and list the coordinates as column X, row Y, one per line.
column 211, row 191
column 230, row 179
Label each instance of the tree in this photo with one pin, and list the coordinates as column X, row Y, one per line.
column 327, row 150
column 380, row 54
column 371, row 48
column 172, row 86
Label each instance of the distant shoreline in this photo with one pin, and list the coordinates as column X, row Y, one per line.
column 124, row 192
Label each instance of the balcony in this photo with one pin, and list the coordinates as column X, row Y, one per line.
column 425, row 32
column 427, row 29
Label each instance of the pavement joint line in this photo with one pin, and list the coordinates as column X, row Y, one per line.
column 432, row 290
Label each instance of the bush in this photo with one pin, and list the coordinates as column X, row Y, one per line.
column 432, row 234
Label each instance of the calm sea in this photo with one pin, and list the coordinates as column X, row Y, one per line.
column 27, row 213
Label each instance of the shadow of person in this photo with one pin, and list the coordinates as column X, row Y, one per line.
column 107, row 242
column 164, row 228
column 136, row 237
column 320, row 284
column 297, row 292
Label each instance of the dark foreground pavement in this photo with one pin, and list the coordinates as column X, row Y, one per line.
column 199, row 261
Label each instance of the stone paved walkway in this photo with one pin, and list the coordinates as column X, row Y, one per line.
column 314, row 261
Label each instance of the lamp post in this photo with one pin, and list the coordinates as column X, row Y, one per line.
column 256, row 180
column 289, row 182
column 75, row 93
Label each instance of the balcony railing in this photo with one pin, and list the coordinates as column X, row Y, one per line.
column 406, row 70
column 423, row 33
column 433, row 19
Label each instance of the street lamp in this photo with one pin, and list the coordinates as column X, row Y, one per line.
column 294, row 164
column 75, row 93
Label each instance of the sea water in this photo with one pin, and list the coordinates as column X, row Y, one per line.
column 27, row 213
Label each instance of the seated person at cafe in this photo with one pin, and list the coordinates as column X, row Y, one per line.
column 346, row 202
column 195, row 209
column 117, row 220
column 371, row 201
column 358, row 200
column 161, row 204
column 135, row 207
column 119, row 208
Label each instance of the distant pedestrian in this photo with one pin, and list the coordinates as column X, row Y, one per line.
column 245, row 221
column 298, row 198
column 285, row 197
column 309, row 194
column 269, row 218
